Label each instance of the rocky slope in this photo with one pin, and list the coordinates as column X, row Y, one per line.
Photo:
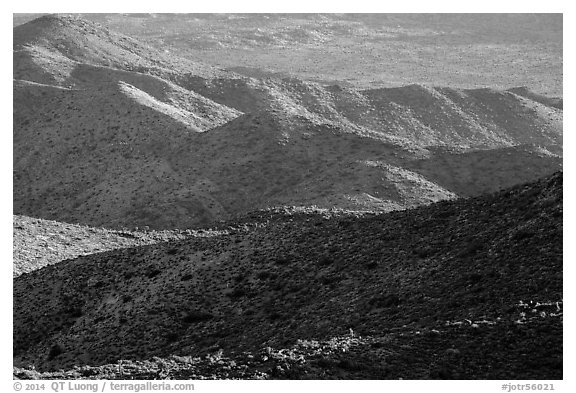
column 37, row 242
column 466, row 284
column 111, row 132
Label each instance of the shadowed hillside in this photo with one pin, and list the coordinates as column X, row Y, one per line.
column 422, row 293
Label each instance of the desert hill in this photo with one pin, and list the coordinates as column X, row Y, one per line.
column 446, row 281
column 112, row 132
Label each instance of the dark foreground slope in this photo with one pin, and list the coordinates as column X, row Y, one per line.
column 470, row 288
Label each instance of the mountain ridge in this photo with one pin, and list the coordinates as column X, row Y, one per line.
column 122, row 143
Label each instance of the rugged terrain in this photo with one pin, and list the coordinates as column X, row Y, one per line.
column 109, row 131
column 285, row 197
column 37, row 242
column 470, row 288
